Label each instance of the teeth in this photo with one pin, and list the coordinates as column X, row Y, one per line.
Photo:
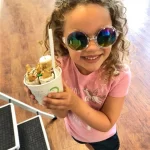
column 91, row 58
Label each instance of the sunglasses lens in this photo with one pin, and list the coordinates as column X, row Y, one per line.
column 106, row 37
column 77, row 41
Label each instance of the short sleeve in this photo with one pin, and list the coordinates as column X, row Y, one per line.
column 120, row 86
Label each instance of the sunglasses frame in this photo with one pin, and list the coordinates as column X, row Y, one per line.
column 94, row 37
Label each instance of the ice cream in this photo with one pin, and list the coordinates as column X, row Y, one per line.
column 31, row 75
column 46, row 69
column 45, row 62
column 49, row 80
column 40, row 74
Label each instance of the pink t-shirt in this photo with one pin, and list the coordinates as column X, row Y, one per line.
column 94, row 91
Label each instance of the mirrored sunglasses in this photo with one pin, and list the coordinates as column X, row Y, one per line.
column 79, row 41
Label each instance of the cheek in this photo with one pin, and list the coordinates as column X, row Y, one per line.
column 74, row 55
column 107, row 51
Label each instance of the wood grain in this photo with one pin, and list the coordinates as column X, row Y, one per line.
column 21, row 27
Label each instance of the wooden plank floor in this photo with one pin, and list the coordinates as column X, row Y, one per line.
column 21, row 27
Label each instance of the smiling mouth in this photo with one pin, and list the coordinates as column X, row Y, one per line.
column 91, row 58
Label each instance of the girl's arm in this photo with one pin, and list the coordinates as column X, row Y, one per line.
column 59, row 113
column 104, row 119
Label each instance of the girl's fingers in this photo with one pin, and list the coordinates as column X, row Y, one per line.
column 34, row 101
column 26, row 89
column 61, row 95
column 54, row 102
column 54, row 107
column 29, row 92
column 30, row 95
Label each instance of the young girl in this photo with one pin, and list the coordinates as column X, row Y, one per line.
column 89, row 37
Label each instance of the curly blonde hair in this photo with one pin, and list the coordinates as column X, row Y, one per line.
column 120, row 48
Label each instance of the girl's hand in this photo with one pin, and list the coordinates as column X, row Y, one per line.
column 66, row 100
column 30, row 95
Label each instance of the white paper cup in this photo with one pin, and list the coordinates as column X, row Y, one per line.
column 42, row 90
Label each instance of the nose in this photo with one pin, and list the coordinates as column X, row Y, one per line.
column 92, row 45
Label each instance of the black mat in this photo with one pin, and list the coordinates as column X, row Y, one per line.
column 7, row 139
column 31, row 135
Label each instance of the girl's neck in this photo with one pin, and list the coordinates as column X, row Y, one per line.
column 83, row 70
